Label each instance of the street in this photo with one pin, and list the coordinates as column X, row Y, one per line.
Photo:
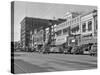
column 34, row 62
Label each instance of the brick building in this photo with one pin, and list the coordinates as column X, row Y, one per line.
column 30, row 25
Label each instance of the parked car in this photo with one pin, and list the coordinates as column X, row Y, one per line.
column 67, row 50
column 86, row 49
column 73, row 51
column 93, row 50
column 46, row 50
column 54, row 49
column 76, row 50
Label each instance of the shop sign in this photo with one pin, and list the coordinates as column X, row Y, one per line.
column 88, row 35
column 61, row 40
column 73, row 40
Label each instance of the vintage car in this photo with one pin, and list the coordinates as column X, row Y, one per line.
column 53, row 49
column 93, row 50
column 77, row 50
column 86, row 51
column 67, row 50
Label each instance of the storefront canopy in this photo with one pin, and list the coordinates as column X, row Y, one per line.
column 88, row 41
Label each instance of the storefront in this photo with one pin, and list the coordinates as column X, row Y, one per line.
column 88, row 39
column 74, row 40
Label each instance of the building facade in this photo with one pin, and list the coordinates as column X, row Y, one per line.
column 89, row 28
column 62, row 32
column 74, row 29
column 79, row 29
column 38, row 39
column 74, row 38
column 28, row 26
column 68, row 28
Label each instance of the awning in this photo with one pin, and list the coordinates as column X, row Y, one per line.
column 87, row 41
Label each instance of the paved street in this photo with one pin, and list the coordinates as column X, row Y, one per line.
column 34, row 62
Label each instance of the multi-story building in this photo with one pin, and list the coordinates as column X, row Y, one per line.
column 62, row 32
column 30, row 26
column 89, row 28
column 74, row 29
column 48, row 32
column 63, row 29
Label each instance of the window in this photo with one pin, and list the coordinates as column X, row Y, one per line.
column 65, row 30
column 84, row 27
column 89, row 25
column 58, row 33
column 75, row 29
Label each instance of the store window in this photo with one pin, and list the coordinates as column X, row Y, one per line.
column 75, row 29
column 89, row 25
column 65, row 30
column 84, row 27
column 58, row 33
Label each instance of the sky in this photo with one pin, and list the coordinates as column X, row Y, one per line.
column 43, row 10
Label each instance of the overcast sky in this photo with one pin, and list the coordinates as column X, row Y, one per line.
column 43, row 10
